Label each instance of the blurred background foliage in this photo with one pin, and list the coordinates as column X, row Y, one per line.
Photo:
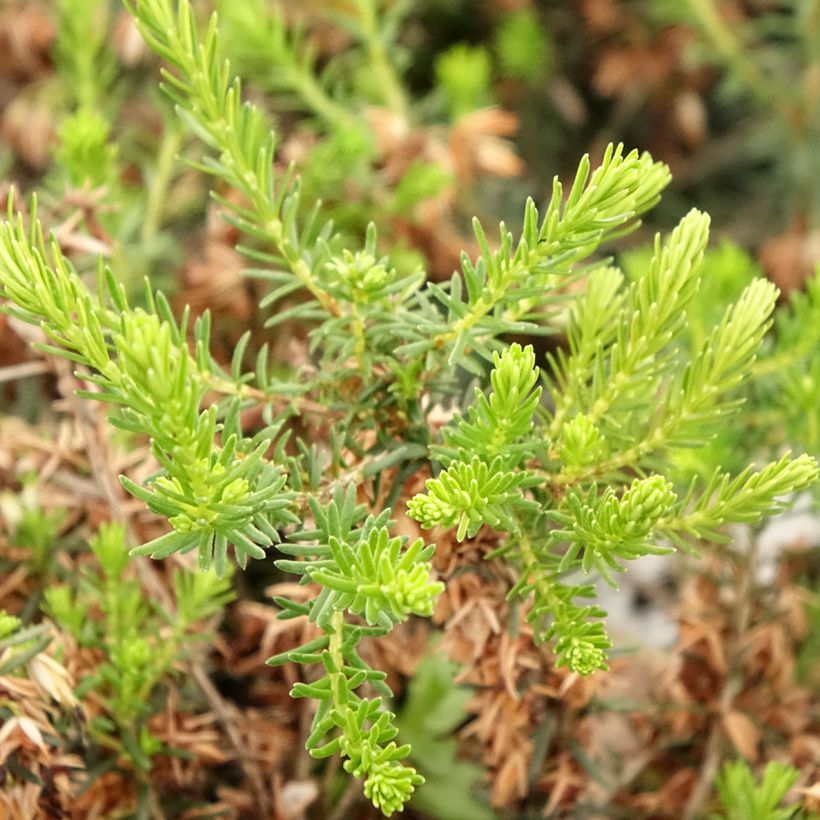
column 390, row 107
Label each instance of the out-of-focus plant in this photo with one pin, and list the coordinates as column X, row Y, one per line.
column 764, row 118
column 19, row 644
column 436, row 705
column 138, row 644
column 31, row 525
column 745, row 799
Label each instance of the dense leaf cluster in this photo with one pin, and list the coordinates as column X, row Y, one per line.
column 576, row 466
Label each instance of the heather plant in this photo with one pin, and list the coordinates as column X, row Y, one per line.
column 138, row 649
column 572, row 459
column 134, row 648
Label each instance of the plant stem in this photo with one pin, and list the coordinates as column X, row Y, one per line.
column 387, row 80
column 337, row 622
column 244, row 391
column 160, row 181
column 539, row 580
column 317, row 99
column 212, row 105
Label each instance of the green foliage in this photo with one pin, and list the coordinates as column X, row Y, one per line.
column 576, row 468
column 84, row 152
column 8, row 625
column 463, row 73
column 764, row 61
column 19, row 644
column 434, row 707
column 363, row 570
column 792, row 367
column 605, row 527
column 254, row 36
column 516, row 287
column 139, row 646
column 212, row 496
column 745, row 799
column 282, row 59
column 743, row 499
column 626, row 395
column 87, row 71
column 581, row 444
column 379, row 579
column 359, row 729
column 336, row 95
column 31, row 525
column 522, row 46
column 84, row 62
column 470, row 494
column 495, row 427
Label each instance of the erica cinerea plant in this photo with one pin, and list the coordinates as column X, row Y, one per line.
column 570, row 458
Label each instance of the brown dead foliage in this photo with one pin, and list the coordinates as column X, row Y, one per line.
column 27, row 34
column 635, row 736
column 476, row 145
column 26, row 741
column 27, row 125
column 643, row 67
column 790, row 257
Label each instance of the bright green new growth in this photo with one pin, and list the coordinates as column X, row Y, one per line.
column 481, row 484
column 213, row 496
column 469, row 495
column 379, row 579
column 624, row 396
column 744, row 799
column 362, row 570
column 573, row 468
column 494, row 426
column 605, row 527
